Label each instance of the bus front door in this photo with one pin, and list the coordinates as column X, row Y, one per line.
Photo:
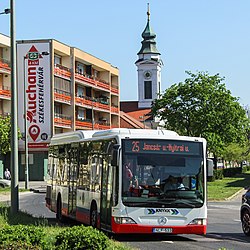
column 72, row 183
column 106, row 194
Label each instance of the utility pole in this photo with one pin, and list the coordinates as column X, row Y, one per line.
column 14, row 135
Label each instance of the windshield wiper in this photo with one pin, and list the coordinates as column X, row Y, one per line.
column 183, row 202
column 135, row 204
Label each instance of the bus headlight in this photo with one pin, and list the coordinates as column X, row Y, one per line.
column 124, row 220
column 198, row 222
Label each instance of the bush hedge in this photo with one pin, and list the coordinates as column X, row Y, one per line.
column 81, row 237
column 21, row 234
column 219, row 174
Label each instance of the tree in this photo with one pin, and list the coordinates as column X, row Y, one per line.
column 5, row 134
column 202, row 106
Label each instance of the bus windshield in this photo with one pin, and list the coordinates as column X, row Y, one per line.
column 162, row 173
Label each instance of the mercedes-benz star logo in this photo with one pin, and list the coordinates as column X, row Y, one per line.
column 162, row 220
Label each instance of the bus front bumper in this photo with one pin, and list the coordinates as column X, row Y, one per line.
column 149, row 229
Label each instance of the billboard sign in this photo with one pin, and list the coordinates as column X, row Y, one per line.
column 34, row 90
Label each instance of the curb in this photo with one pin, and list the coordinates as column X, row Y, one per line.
column 37, row 190
column 235, row 194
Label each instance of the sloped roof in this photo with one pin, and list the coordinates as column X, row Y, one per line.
column 131, row 121
column 131, row 109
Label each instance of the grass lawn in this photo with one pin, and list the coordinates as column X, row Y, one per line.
column 8, row 189
column 222, row 189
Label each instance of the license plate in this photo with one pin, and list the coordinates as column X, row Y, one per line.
column 162, row 230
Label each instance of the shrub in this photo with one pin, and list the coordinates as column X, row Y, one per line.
column 218, row 174
column 30, row 235
column 81, row 237
column 229, row 172
column 18, row 245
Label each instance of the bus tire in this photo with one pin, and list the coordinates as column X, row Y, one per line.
column 93, row 216
column 59, row 215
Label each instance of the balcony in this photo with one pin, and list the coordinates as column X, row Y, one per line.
column 90, row 102
column 101, row 125
column 115, row 126
column 62, row 96
column 84, row 123
column 87, row 124
column 5, row 92
column 61, row 120
column 5, row 65
column 114, row 88
column 94, row 81
column 84, row 100
column 62, row 71
column 101, row 104
column 114, row 109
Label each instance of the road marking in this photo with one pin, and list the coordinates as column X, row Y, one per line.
column 168, row 241
column 205, row 238
column 232, row 207
column 236, row 220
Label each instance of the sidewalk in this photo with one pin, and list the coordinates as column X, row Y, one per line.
column 34, row 186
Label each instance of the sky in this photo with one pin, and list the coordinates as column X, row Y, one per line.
column 192, row 35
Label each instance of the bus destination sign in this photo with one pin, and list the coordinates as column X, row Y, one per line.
column 163, row 147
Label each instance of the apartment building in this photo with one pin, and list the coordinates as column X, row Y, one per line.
column 66, row 89
column 5, row 79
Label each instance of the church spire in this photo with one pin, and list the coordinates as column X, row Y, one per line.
column 148, row 43
column 148, row 13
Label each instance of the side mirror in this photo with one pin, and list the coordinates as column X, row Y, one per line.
column 115, row 155
column 210, row 167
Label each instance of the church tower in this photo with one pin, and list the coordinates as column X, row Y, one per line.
column 149, row 66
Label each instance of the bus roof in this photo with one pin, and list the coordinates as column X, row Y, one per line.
column 81, row 135
column 127, row 131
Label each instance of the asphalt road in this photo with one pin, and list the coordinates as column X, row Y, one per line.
column 224, row 227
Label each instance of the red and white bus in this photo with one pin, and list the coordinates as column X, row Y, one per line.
column 116, row 180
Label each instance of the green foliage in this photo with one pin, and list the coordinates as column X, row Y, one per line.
column 30, row 235
column 5, row 134
column 202, row 106
column 18, row 245
column 234, row 152
column 47, row 232
column 81, row 237
column 218, row 174
column 20, row 217
column 229, row 172
column 228, row 186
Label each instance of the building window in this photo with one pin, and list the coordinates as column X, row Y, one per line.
column 96, row 73
column 57, row 59
column 148, row 89
column 62, row 85
column 79, row 68
column 58, row 109
column 80, row 114
column 80, row 91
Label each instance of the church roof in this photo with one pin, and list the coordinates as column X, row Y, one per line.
column 148, row 43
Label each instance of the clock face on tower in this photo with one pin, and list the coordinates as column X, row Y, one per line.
column 147, row 74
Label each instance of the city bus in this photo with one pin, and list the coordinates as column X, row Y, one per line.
column 115, row 180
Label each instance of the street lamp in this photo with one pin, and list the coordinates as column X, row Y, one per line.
column 14, row 134
column 25, row 136
column 6, row 11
